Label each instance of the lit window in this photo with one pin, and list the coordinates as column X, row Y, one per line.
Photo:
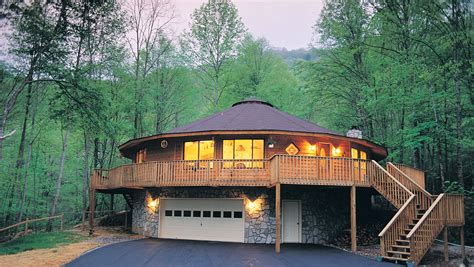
column 363, row 164
column 241, row 150
column 140, row 156
column 200, row 150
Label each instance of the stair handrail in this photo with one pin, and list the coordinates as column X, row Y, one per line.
column 411, row 180
column 397, row 224
column 391, row 177
column 427, row 213
column 419, row 244
column 399, row 212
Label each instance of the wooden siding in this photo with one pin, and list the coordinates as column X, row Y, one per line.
column 174, row 150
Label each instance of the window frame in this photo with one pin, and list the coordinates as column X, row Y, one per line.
column 140, row 156
column 254, row 164
column 197, row 163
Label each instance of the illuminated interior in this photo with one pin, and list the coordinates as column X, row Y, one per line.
column 140, row 156
column 199, row 150
column 356, row 154
column 241, row 150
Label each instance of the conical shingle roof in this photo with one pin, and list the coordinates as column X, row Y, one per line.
column 251, row 115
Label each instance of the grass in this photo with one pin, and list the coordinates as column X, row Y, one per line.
column 39, row 241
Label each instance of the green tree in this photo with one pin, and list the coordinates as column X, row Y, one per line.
column 211, row 44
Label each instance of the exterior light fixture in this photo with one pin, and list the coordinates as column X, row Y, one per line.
column 251, row 205
column 153, row 204
column 336, row 151
column 271, row 143
column 312, row 148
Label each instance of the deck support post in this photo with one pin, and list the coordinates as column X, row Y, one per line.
column 278, row 216
column 446, row 255
column 91, row 211
column 461, row 238
column 111, row 203
column 353, row 219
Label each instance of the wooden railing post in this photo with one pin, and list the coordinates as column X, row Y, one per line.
column 461, row 237
column 446, row 254
column 91, row 211
column 26, row 226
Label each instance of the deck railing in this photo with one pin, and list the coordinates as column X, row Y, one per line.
column 185, row 173
column 392, row 189
column 418, row 176
column 285, row 169
column 308, row 170
column 423, row 197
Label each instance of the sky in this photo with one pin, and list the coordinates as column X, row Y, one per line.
column 284, row 23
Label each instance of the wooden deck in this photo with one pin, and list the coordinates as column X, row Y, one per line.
column 298, row 170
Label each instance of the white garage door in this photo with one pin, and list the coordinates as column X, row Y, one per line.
column 202, row 219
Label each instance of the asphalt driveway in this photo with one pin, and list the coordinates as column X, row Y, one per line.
column 162, row 252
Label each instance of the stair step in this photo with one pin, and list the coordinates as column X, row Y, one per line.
column 402, row 241
column 394, row 258
column 402, row 253
column 400, row 246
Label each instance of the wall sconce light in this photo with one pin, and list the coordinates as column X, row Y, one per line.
column 312, row 148
column 153, row 204
column 336, row 151
column 251, row 205
column 271, row 145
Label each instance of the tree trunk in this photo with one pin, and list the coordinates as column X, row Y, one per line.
column 85, row 177
column 62, row 160
column 20, row 157
column 28, row 160
column 459, row 132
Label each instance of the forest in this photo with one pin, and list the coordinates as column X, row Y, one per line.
column 83, row 77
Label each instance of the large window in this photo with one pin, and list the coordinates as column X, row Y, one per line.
column 357, row 154
column 246, row 153
column 140, row 157
column 200, row 150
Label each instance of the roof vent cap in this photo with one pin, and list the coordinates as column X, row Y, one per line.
column 252, row 100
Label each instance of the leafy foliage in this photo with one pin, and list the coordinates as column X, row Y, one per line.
column 399, row 71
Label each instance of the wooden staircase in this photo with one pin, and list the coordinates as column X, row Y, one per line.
column 420, row 217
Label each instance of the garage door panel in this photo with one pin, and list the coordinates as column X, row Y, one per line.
column 203, row 228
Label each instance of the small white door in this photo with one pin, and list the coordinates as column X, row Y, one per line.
column 291, row 221
column 202, row 219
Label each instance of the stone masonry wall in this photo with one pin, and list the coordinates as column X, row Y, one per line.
column 325, row 212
